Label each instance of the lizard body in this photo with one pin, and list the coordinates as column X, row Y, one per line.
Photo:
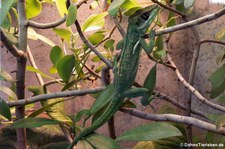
column 127, row 68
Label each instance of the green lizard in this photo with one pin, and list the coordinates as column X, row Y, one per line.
column 126, row 70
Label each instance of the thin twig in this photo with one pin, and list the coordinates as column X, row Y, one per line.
column 46, row 25
column 43, row 97
column 193, row 90
column 169, row 8
column 85, row 40
column 175, row 118
column 198, row 21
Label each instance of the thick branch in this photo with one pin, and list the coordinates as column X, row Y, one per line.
column 20, row 74
column 46, row 25
column 54, row 95
column 12, row 49
column 175, row 118
column 191, row 23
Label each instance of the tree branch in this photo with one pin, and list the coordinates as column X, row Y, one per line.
column 193, row 90
column 198, row 21
column 43, row 97
column 9, row 46
column 175, row 118
column 46, row 25
column 20, row 74
column 169, row 8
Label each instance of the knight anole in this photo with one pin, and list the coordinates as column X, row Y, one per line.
column 126, row 70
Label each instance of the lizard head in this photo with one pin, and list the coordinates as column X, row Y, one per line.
column 144, row 17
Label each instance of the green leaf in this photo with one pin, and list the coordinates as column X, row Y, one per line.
column 159, row 43
column 218, row 82
column 81, row 113
column 8, row 92
column 61, row 6
column 221, row 98
column 129, row 104
column 109, row 44
column 32, row 69
column 6, row 76
column 4, row 109
column 33, row 8
column 10, row 36
column 103, row 99
column 101, row 142
column 188, row 3
column 72, row 15
column 5, row 7
column 65, row 67
column 221, row 34
column 220, row 122
column 171, row 20
column 32, row 122
column 44, row 108
column 114, row 7
column 63, row 33
column 94, row 22
column 82, row 144
column 150, row 80
column 32, row 34
column 55, row 55
column 96, row 38
column 152, row 131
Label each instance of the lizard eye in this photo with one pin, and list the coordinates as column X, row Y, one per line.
column 144, row 16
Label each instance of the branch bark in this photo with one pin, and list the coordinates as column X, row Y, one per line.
column 198, row 21
column 20, row 75
column 175, row 118
column 43, row 97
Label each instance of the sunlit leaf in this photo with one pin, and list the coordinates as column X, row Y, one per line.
column 221, row 34
column 61, row 6
column 72, row 15
column 102, row 142
column 65, row 67
column 152, row 131
column 94, row 22
column 94, row 5
column 32, row 69
column 8, row 92
column 33, row 8
column 55, row 55
column 32, row 34
column 96, row 38
column 6, row 76
column 45, row 108
column 82, row 144
column 63, row 33
column 4, row 109
column 114, row 7
column 32, row 122
column 188, row 3
column 5, row 7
